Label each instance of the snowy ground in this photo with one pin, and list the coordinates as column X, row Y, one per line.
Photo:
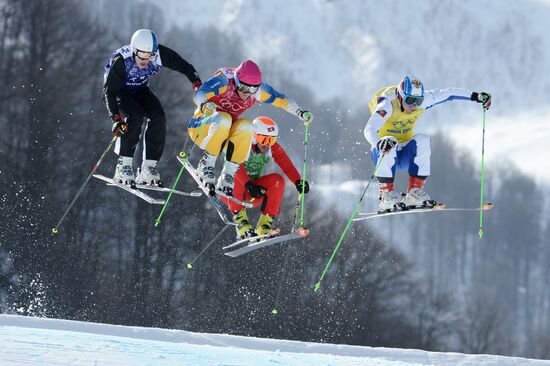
column 39, row 341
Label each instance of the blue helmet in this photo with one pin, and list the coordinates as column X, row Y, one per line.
column 411, row 90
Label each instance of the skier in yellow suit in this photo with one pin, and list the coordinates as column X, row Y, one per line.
column 390, row 131
column 216, row 124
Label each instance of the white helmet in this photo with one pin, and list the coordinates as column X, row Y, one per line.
column 265, row 130
column 144, row 40
column 411, row 90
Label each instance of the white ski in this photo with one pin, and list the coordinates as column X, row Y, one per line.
column 134, row 191
column 247, row 204
column 264, row 243
column 196, row 193
column 220, row 208
column 253, row 238
column 436, row 208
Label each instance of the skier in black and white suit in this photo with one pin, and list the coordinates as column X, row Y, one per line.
column 129, row 99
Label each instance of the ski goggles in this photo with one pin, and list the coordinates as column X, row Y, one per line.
column 144, row 56
column 250, row 89
column 413, row 101
column 265, row 139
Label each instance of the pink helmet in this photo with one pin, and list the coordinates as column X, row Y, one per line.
column 248, row 73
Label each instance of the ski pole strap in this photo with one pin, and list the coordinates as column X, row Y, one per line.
column 55, row 229
column 482, row 188
column 304, row 173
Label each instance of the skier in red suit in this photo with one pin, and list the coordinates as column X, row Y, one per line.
column 264, row 190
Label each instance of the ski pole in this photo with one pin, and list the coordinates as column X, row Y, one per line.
column 55, row 229
column 304, row 172
column 355, row 210
column 186, row 157
column 482, row 189
column 190, row 264
column 157, row 220
column 274, row 311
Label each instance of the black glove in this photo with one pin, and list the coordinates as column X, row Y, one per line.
column 196, row 84
column 386, row 143
column 255, row 190
column 305, row 116
column 482, row 97
column 119, row 124
column 300, row 183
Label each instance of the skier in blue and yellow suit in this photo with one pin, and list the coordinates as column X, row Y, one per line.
column 389, row 130
column 216, row 124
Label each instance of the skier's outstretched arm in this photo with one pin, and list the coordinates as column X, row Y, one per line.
column 267, row 94
column 172, row 60
column 435, row 97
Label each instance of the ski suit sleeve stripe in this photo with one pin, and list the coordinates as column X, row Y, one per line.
column 284, row 162
column 435, row 97
column 216, row 85
column 271, row 96
column 383, row 111
column 172, row 60
column 113, row 83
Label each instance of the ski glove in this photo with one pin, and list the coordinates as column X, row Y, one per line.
column 305, row 116
column 386, row 143
column 208, row 108
column 300, row 183
column 482, row 97
column 256, row 191
column 119, row 124
column 196, row 84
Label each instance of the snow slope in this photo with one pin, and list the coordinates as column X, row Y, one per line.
column 40, row 341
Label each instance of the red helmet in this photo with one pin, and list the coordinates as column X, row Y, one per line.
column 248, row 73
